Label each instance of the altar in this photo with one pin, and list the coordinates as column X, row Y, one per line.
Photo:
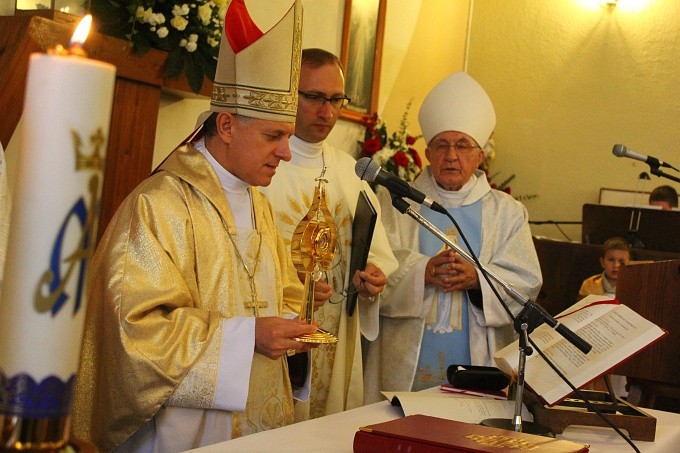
column 335, row 433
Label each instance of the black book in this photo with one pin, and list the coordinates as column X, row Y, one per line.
column 363, row 225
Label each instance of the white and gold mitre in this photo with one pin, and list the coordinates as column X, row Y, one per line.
column 258, row 67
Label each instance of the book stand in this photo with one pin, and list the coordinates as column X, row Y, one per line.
column 573, row 411
column 651, row 290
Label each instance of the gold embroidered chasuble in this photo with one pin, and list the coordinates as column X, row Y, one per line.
column 164, row 277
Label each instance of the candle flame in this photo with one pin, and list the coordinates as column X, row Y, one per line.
column 82, row 30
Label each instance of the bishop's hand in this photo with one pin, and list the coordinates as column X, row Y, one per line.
column 275, row 336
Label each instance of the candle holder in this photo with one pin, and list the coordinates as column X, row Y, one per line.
column 38, row 416
column 312, row 250
column 67, row 111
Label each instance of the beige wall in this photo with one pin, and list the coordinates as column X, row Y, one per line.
column 436, row 49
column 569, row 80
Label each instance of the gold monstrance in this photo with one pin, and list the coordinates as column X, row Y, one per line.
column 312, row 250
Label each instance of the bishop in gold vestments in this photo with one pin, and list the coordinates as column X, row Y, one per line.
column 166, row 348
column 185, row 337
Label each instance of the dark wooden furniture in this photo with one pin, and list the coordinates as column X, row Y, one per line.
column 653, row 291
column 651, row 229
column 639, row 424
column 565, row 265
column 137, row 95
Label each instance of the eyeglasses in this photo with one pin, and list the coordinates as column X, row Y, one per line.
column 339, row 102
column 461, row 146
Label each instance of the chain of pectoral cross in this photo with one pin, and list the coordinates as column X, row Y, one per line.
column 253, row 303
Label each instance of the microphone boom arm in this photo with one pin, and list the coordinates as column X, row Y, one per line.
column 531, row 311
column 655, row 171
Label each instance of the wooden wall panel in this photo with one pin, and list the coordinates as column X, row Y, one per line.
column 131, row 143
column 139, row 83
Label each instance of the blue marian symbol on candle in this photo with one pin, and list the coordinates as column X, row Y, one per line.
column 50, row 294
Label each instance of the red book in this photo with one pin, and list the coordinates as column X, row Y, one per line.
column 422, row 433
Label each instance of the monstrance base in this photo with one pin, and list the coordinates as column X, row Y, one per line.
column 320, row 337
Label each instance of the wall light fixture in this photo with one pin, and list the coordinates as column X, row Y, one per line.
column 609, row 4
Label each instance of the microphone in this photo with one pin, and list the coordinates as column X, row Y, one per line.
column 621, row 151
column 370, row 171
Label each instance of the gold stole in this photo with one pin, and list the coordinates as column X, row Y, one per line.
column 270, row 403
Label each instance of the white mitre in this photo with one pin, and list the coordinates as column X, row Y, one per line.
column 458, row 103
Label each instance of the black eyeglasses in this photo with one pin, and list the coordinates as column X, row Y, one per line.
column 338, row 102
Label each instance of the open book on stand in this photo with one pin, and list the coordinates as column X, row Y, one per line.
column 615, row 331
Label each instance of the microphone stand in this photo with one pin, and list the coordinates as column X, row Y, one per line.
column 529, row 318
column 654, row 169
column 524, row 351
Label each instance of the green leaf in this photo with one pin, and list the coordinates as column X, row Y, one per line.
column 507, row 182
column 211, row 68
column 110, row 18
column 194, row 74
column 118, row 18
column 140, row 43
column 174, row 65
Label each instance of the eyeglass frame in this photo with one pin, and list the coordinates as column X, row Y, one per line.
column 315, row 98
column 443, row 146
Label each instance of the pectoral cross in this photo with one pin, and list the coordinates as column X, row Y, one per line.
column 254, row 303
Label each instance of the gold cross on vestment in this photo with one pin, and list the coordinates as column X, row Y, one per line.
column 254, row 303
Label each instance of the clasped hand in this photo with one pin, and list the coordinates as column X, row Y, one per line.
column 451, row 272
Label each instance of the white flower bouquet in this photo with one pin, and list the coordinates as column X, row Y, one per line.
column 188, row 30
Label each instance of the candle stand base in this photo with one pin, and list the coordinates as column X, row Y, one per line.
column 33, row 434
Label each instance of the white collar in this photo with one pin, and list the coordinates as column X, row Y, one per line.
column 306, row 154
column 454, row 198
column 229, row 182
column 473, row 190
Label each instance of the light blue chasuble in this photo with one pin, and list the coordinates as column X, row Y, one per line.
column 446, row 334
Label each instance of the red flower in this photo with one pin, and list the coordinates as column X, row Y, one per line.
column 507, row 190
column 372, row 145
column 370, row 121
column 416, row 158
column 401, row 159
column 410, row 140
